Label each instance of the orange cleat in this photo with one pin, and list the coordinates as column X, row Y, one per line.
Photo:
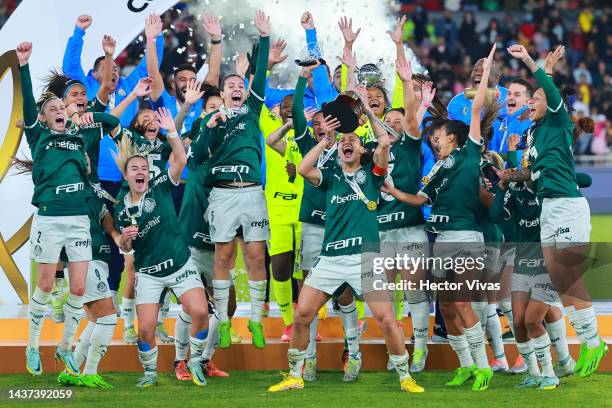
column 286, row 337
column 181, row 370
column 211, row 370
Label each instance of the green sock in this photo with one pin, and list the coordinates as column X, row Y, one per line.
column 360, row 310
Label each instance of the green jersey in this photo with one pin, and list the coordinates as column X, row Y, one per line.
column 350, row 227
column 491, row 231
column 453, row 187
column 235, row 145
column 96, row 105
column 404, row 172
column 160, row 248
column 551, row 155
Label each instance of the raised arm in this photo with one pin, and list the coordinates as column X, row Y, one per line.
column 346, row 27
column 153, row 26
column 479, row 99
column 428, row 92
column 411, row 122
column 192, row 94
column 276, row 139
column 142, row 69
column 178, row 148
column 300, row 123
column 397, row 99
column 108, row 46
column 348, row 80
column 30, row 114
column 71, row 64
column 258, row 84
column 143, row 88
column 212, row 26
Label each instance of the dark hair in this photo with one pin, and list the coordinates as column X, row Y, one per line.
column 58, row 83
column 209, row 91
column 400, row 110
column 226, row 78
column 525, row 83
column 97, row 62
column 185, row 67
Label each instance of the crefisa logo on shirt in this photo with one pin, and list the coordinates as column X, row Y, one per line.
column 148, row 205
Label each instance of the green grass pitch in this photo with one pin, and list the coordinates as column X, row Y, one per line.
column 373, row 389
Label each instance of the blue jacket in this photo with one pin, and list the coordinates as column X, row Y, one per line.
column 460, row 108
column 510, row 124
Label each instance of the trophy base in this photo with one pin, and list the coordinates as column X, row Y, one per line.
column 309, row 63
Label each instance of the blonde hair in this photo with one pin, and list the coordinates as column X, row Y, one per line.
column 127, row 150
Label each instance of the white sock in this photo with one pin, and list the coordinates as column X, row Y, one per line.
column 100, row 340
column 475, row 339
column 37, row 309
column 164, row 309
column 506, row 309
column 541, row 346
column 296, row 362
column 148, row 359
column 348, row 314
column 460, row 346
column 526, row 351
column 129, row 311
column 115, row 299
column 222, row 289
column 419, row 314
column 197, row 345
column 311, row 350
column 401, row 365
column 257, row 291
column 494, row 333
column 558, row 337
column 480, row 308
column 73, row 310
column 584, row 322
column 181, row 335
column 213, row 337
column 82, row 347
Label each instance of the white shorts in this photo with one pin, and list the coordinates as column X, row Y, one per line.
column 539, row 286
column 310, row 248
column 49, row 234
column 410, row 241
column 329, row 273
column 447, row 246
column 565, row 222
column 96, row 284
column 150, row 289
column 508, row 254
column 232, row 208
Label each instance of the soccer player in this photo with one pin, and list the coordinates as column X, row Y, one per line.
column 60, row 178
column 453, row 187
column 144, row 216
column 237, row 199
column 565, row 218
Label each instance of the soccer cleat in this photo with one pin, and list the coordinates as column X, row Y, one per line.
column 565, row 370
column 519, row 366
column 286, row 337
column 148, row 380
column 592, row 358
column 211, row 370
column 353, row 365
column 197, row 373
column 581, row 356
column 67, row 379
column 162, row 334
column 225, row 338
column 310, row 369
column 258, row 339
column 419, row 357
column 462, row 375
column 65, row 356
column 288, row 383
column 362, row 326
column 529, row 381
column 549, row 383
column 235, row 337
column 498, row 366
column 483, row 379
column 181, row 371
column 409, row 384
column 33, row 363
column 93, row 381
column 129, row 335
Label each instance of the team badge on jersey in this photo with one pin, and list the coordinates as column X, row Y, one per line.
column 448, row 162
column 148, row 205
column 101, row 287
column 37, row 250
column 360, row 176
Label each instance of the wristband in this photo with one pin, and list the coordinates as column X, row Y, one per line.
column 150, row 39
column 215, row 42
column 172, row 135
column 379, row 171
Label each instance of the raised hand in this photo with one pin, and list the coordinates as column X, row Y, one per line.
column 404, row 69
column 108, row 45
column 552, row 58
column 84, row 21
column 397, row 34
column 348, row 58
column 329, row 125
column 164, row 118
column 193, row 92
column 212, row 26
column 427, row 92
column 307, row 21
column 346, row 26
column 86, row 119
column 277, row 55
column 143, row 87
column 24, row 50
column 309, row 113
column 242, row 64
column 262, row 23
column 307, row 70
column 513, row 141
column 153, row 26
column 486, row 67
column 362, row 91
column 519, row 52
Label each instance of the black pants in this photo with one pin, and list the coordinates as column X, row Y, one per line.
column 115, row 268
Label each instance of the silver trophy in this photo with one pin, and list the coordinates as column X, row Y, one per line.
column 370, row 74
column 310, row 54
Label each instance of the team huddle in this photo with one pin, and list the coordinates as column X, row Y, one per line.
column 228, row 162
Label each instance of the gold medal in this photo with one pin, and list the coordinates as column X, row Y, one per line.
column 371, row 205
